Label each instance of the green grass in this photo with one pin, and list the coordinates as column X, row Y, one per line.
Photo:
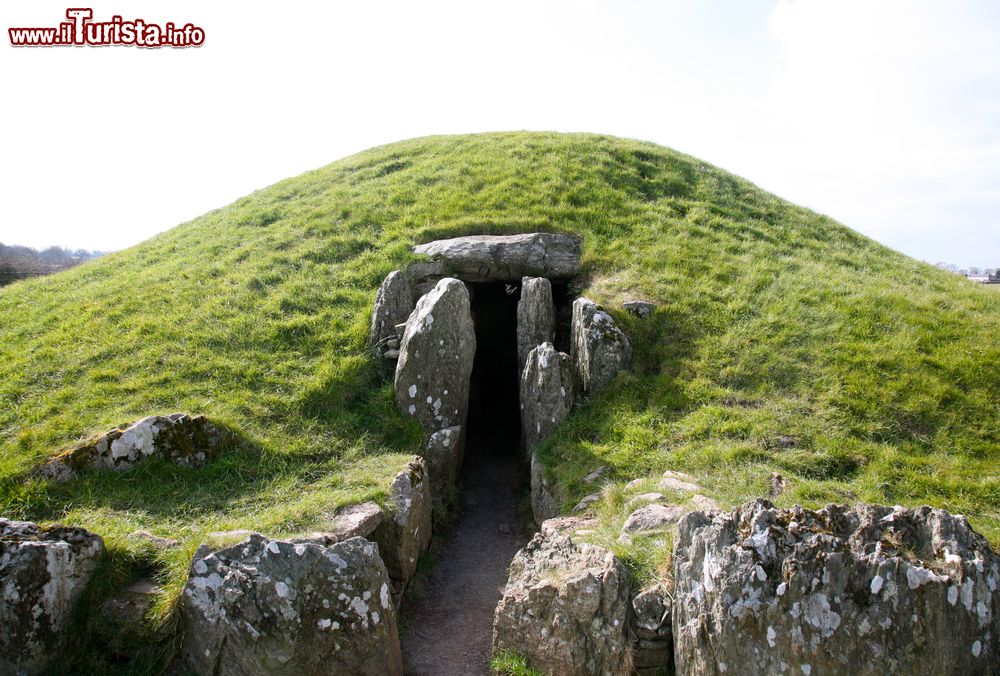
column 509, row 663
column 783, row 342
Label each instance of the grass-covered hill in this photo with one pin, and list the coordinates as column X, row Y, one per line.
column 784, row 342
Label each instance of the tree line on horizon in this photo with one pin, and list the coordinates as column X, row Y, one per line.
column 21, row 262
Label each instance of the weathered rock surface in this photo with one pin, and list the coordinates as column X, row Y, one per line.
column 565, row 608
column 406, row 535
column 435, row 358
column 639, row 308
column 653, row 645
column 43, row 572
column 178, row 438
column 864, row 590
column 443, row 457
column 544, row 503
column 154, row 541
column 653, row 518
column 120, row 623
column 507, row 258
column 393, row 305
column 536, row 317
column 271, row 607
column 679, row 481
column 585, row 502
column 600, row 349
column 360, row 520
column 546, row 393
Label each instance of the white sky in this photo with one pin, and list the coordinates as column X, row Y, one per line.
column 883, row 114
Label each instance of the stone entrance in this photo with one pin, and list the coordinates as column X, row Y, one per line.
column 478, row 338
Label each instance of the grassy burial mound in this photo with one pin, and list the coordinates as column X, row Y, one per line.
column 782, row 342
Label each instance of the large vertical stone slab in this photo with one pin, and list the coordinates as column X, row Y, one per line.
column 273, row 607
column 406, row 535
column 565, row 608
column 436, row 356
column 865, row 590
column 43, row 572
column 393, row 305
column 443, row 457
column 544, row 502
column 536, row 317
column 547, row 391
column 600, row 349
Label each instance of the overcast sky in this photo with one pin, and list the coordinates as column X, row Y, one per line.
column 884, row 115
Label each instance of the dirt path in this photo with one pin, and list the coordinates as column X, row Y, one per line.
column 448, row 628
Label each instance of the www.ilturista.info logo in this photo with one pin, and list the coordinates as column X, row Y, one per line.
column 80, row 31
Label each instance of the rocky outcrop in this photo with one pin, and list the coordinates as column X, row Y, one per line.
column 271, row 607
column 43, row 572
column 443, row 457
column 653, row 643
column 435, row 358
column 536, row 317
column 565, row 608
column 600, row 349
column 544, row 503
column 406, row 535
column 393, row 305
column 864, row 590
column 179, row 438
column 506, row 258
column 547, row 385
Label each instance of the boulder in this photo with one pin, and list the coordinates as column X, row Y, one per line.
column 155, row 541
column 679, row 482
column 43, row 572
column 443, row 457
column 359, row 520
column 178, row 438
column 272, row 607
column 653, row 644
column 639, row 308
column 565, row 608
column 536, row 317
column 600, row 349
column 653, row 518
column 546, row 393
column 404, row 537
column 393, row 305
column 435, row 358
column 544, row 503
column 585, row 502
column 507, row 258
column 864, row 590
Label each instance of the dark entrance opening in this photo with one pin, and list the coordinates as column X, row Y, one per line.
column 494, row 422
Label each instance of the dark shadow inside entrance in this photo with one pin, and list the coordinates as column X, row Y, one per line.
column 494, row 410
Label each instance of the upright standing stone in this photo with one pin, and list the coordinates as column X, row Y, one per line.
column 393, row 304
column 536, row 317
column 546, row 393
column 865, row 590
column 600, row 349
column 443, row 457
column 565, row 608
column 43, row 572
column 405, row 536
column 273, row 607
column 436, row 356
